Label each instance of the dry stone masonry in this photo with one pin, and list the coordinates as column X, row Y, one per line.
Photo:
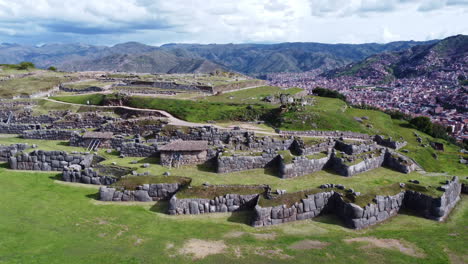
column 49, row 160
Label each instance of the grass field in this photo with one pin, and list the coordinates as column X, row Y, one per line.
column 29, row 85
column 48, row 222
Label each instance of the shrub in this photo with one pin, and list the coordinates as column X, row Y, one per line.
column 52, row 68
column 328, row 93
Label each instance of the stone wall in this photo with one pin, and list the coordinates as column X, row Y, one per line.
column 87, row 176
column 131, row 149
column 182, row 158
column 435, row 208
column 399, row 162
column 389, row 143
column 307, row 208
column 143, row 193
column 49, row 134
column 357, row 217
column 238, row 85
column 17, row 128
column 49, row 160
column 64, row 88
column 8, row 151
column 172, row 86
column 300, row 148
column 355, row 148
column 226, row 164
column 302, row 166
column 220, row 204
column 333, row 134
column 340, row 166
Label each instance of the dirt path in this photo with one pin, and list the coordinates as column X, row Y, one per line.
column 170, row 118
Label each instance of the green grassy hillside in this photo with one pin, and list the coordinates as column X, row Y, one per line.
column 51, row 223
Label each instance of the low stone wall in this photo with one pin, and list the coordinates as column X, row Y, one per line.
column 333, row 134
column 131, row 149
column 64, row 88
column 308, row 150
column 307, row 208
column 352, row 149
column 172, row 86
column 356, row 217
column 49, row 160
column 389, row 143
column 220, row 204
column 226, row 164
column 49, row 134
column 86, row 176
column 17, row 128
column 238, row 85
column 342, row 168
column 302, row 166
column 143, row 193
column 435, row 208
column 399, row 162
column 8, row 151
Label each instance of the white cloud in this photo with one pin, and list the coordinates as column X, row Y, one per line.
column 224, row 21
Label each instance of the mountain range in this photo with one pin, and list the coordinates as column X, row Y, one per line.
column 432, row 60
column 251, row 59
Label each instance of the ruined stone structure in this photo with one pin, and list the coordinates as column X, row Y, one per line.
column 332, row 134
column 180, row 153
column 8, row 151
column 226, row 164
column 143, row 193
column 220, row 204
column 389, row 143
column 132, row 149
column 17, row 128
column 357, row 217
column 355, row 147
column 49, row 160
column 49, row 134
column 302, row 165
column 435, row 208
column 307, row 208
column 86, row 176
column 343, row 167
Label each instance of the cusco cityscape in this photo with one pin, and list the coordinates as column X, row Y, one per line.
column 249, row 131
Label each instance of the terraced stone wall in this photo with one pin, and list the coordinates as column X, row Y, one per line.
column 48, row 134
column 143, row 193
column 40, row 160
column 220, row 204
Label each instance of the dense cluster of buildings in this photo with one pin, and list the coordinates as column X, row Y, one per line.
column 440, row 98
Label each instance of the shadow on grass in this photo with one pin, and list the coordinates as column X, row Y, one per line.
column 329, row 219
column 63, row 143
column 241, row 217
column 94, row 196
column 333, row 172
column 57, row 177
column 272, row 171
column 151, row 160
column 207, row 167
column 407, row 125
column 4, row 165
column 160, row 207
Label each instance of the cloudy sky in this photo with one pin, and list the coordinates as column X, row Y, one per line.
column 155, row 22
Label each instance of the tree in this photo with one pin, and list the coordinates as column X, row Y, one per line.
column 328, row 93
column 26, row 65
column 422, row 123
column 52, row 68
